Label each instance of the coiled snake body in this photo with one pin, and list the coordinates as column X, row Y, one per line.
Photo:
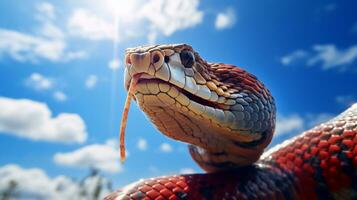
column 228, row 118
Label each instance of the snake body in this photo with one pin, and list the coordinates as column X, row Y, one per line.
column 227, row 116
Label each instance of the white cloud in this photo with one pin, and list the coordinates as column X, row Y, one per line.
column 168, row 17
column 297, row 123
column 34, row 120
column 166, row 147
column 316, row 119
column 91, row 81
column 327, row 55
column 187, row 171
column 293, row 57
column 24, row 47
column 151, row 18
column 35, row 184
column 46, row 10
column 225, row 19
column 287, row 124
column 39, row 82
column 47, row 44
column 87, row 25
column 104, row 157
column 142, row 144
column 331, row 57
column 60, row 96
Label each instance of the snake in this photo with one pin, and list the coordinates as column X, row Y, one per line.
column 227, row 117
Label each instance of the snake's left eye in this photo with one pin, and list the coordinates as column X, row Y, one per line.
column 187, row 58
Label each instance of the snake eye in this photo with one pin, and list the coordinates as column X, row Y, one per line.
column 187, row 59
column 166, row 59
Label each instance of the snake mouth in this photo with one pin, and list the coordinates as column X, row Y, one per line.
column 145, row 79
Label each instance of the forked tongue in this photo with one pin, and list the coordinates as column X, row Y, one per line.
column 124, row 118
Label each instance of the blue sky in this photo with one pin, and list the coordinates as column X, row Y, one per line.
column 61, row 71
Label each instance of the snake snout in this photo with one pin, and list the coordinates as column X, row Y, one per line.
column 137, row 62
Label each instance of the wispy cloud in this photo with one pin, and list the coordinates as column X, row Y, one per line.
column 60, row 96
column 346, row 100
column 166, row 147
column 293, row 57
column 331, row 57
column 330, row 7
column 46, row 11
column 142, row 144
column 114, row 64
column 91, row 81
column 38, row 81
column 87, row 25
column 187, row 171
column 225, row 19
column 34, row 183
column 294, row 124
column 151, row 19
column 47, row 44
column 327, row 56
column 31, row 119
column 104, row 157
column 287, row 124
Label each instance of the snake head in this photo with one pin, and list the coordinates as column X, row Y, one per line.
column 220, row 109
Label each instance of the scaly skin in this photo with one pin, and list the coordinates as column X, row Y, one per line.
column 318, row 164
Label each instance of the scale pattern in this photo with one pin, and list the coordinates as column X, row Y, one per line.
column 318, row 164
column 228, row 117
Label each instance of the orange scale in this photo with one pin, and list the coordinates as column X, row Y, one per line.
column 166, row 193
column 181, row 184
column 348, row 143
column 323, row 164
column 348, row 134
column 158, row 187
column 334, row 161
column 159, row 198
column 299, row 152
column 169, row 185
column 145, row 188
column 304, row 147
column 324, row 155
column 152, row 194
column 315, row 140
column 323, row 144
column 290, row 156
column 334, row 148
column 349, row 154
column 173, row 197
column 314, row 150
column 177, row 189
column 298, row 161
column 334, row 139
column 307, row 167
column 307, row 156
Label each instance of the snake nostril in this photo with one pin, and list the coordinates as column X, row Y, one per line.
column 128, row 60
column 155, row 58
column 167, row 59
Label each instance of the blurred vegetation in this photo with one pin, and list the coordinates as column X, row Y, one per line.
column 94, row 186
